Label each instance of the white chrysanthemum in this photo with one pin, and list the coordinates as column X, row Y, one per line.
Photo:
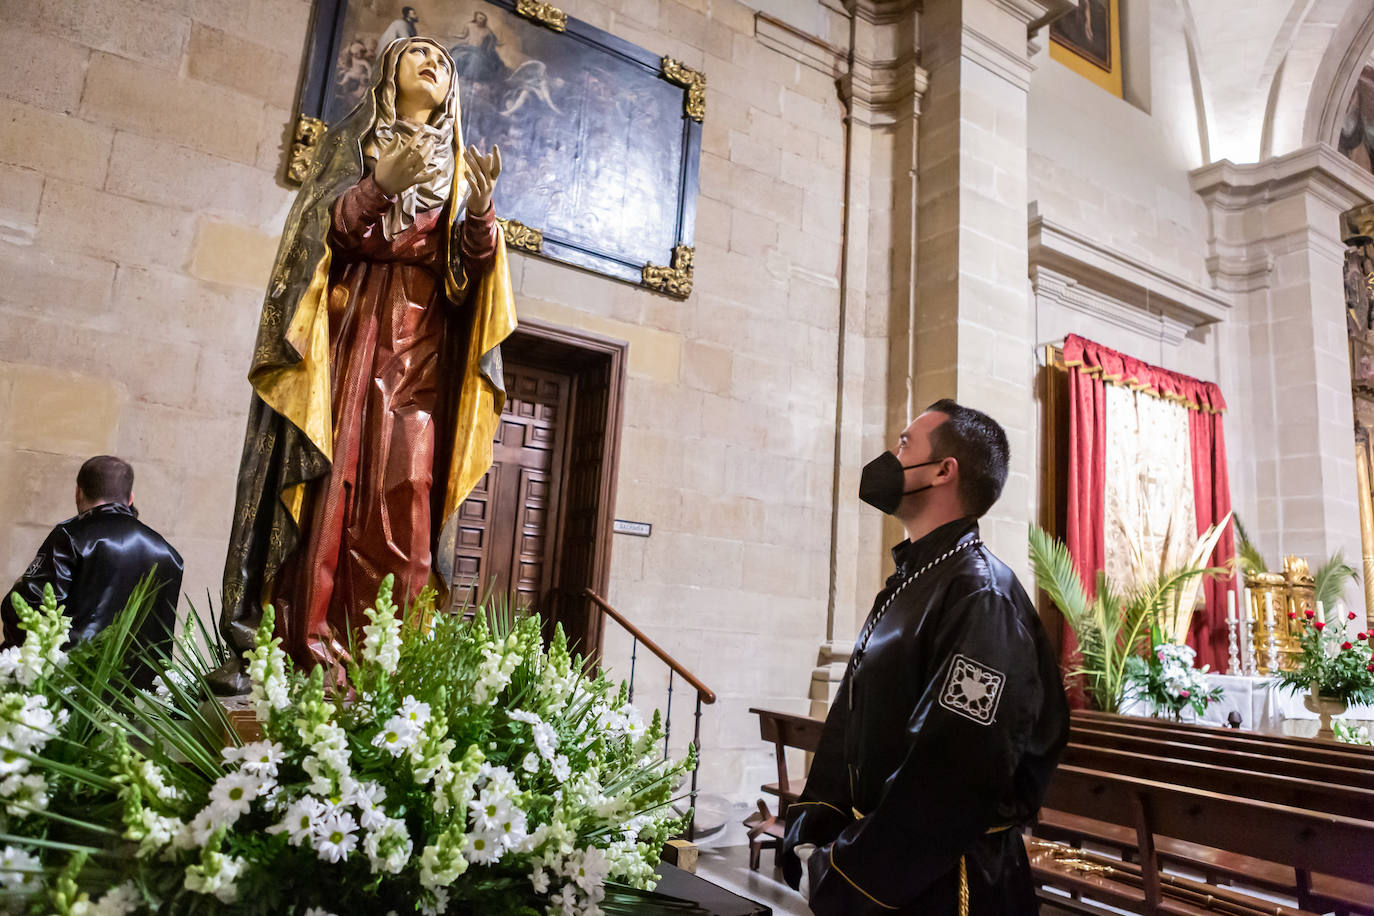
column 260, row 758
column 20, row 870
column 531, row 763
column 232, row 795
column 414, row 711
column 300, row 819
column 565, row 900
column 560, row 767
column 483, row 847
column 589, row 868
column 397, row 736
column 367, row 797
column 335, row 837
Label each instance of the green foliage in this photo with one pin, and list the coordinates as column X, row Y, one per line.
column 1330, row 579
column 1247, row 554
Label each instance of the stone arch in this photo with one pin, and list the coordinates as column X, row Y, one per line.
column 1330, row 83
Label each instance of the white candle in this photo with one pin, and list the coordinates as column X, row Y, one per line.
column 1269, row 606
column 1231, row 605
column 1321, row 613
column 1245, row 632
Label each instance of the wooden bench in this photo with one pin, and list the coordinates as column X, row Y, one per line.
column 1314, row 750
column 784, row 730
column 1186, row 747
column 1329, row 854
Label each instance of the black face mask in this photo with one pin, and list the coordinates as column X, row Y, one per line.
column 883, row 479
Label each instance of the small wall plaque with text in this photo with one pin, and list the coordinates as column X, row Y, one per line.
column 638, row 529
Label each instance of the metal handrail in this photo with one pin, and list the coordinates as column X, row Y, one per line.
column 706, row 693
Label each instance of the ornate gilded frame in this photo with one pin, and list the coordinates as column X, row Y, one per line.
column 672, row 275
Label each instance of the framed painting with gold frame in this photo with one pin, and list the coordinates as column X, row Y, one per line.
column 600, row 138
column 1088, row 41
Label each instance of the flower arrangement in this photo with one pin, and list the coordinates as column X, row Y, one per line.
column 1330, row 664
column 1168, row 679
column 1348, row 734
column 1112, row 627
column 461, row 768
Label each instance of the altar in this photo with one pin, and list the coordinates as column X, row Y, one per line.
column 1263, row 706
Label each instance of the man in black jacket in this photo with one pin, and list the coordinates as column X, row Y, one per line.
column 951, row 716
column 94, row 560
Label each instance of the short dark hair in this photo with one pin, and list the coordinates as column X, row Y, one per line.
column 979, row 444
column 106, row 478
column 406, row 9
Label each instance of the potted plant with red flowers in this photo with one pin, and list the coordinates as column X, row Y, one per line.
column 1335, row 670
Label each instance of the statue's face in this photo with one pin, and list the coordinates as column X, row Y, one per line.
column 423, row 75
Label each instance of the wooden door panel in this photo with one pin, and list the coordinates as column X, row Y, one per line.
column 510, row 552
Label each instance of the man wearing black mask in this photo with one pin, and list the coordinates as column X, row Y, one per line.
column 94, row 560
column 951, row 716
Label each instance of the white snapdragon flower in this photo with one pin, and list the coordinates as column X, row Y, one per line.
column 216, row 874
column 267, row 669
column 24, row 794
column 318, row 911
column 531, row 763
column 382, row 638
column 335, row 837
column 545, row 741
column 153, row 831
column 565, row 901
column 495, row 671
column 439, row 903
column 388, row 847
column 20, row 870
column 120, row 900
column 560, row 767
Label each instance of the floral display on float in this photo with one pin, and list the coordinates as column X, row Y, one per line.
column 1169, row 680
column 460, row 768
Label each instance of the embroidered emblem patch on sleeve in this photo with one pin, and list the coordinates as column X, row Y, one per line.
column 972, row 690
column 35, row 566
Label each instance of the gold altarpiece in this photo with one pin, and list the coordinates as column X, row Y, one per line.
column 1358, row 226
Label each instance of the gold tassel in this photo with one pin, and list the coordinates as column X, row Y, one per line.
column 963, row 886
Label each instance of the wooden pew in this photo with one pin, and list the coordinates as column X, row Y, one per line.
column 1310, row 749
column 1184, row 747
column 1310, row 842
column 783, row 730
column 1327, row 855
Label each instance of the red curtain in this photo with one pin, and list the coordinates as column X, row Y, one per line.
column 1091, row 366
column 1087, row 484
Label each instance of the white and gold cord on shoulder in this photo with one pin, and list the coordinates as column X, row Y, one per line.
column 877, row 616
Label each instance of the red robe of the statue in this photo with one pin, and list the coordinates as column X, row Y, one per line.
column 389, row 322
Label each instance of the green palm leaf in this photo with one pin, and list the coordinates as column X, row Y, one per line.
column 1330, row 579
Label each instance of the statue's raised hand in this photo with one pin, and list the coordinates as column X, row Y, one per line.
column 404, row 163
column 482, row 174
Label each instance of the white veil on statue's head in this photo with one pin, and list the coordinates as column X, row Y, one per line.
column 445, row 127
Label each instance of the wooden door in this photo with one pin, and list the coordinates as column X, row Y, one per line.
column 507, row 525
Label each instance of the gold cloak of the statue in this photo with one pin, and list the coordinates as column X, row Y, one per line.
column 290, row 436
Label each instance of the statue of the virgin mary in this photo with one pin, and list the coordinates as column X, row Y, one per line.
column 377, row 382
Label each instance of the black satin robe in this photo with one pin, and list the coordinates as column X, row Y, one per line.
column 939, row 745
column 93, row 562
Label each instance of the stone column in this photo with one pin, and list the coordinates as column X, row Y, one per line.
column 974, row 331
column 1276, row 245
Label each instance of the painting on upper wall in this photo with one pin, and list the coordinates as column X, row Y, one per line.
column 1357, row 130
column 600, row 139
column 1087, row 40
